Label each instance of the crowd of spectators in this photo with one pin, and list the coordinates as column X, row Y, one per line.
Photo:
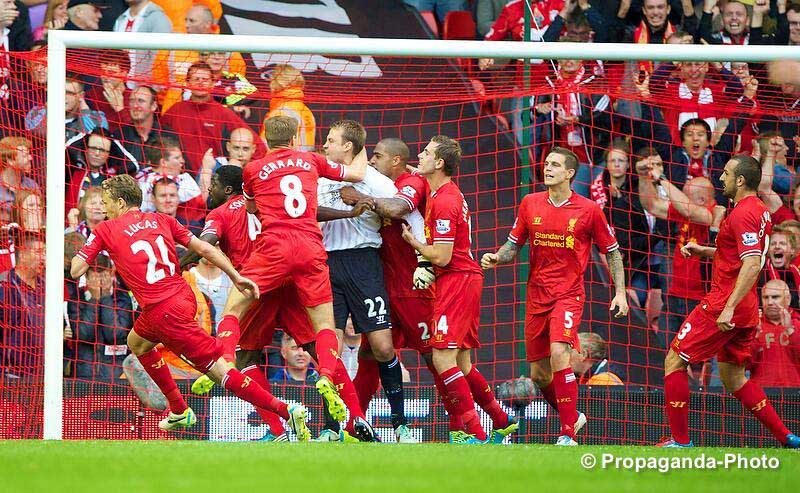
column 652, row 139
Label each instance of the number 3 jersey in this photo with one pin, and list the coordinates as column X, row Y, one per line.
column 743, row 233
column 284, row 185
column 142, row 246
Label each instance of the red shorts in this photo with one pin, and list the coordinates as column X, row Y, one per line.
column 172, row 323
column 411, row 321
column 277, row 308
column 559, row 324
column 284, row 255
column 700, row 339
column 457, row 311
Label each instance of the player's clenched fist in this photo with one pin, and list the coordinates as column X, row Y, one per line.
column 690, row 248
column 489, row 261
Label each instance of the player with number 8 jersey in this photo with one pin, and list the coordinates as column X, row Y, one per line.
column 281, row 189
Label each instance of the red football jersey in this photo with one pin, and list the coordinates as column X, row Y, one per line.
column 142, row 246
column 236, row 229
column 284, row 186
column 743, row 233
column 561, row 238
column 399, row 258
column 776, row 355
column 447, row 221
column 687, row 278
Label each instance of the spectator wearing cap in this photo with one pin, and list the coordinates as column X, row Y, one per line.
column 142, row 16
column 105, row 316
column 201, row 123
column 84, row 15
column 776, row 349
column 168, row 162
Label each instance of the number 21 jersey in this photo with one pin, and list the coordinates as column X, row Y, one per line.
column 142, row 246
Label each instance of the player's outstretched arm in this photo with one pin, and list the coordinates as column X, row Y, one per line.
column 78, row 267
column 439, row 254
column 357, row 169
column 748, row 274
column 391, row 207
column 191, row 257
column 216, row 257
column 620, row 300
column 504, row 255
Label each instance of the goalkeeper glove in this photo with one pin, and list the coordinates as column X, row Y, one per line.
column 423, row 274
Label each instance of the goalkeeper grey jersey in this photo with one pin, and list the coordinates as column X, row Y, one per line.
column 353, row 232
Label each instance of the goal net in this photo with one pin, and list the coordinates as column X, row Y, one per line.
column 66, row 370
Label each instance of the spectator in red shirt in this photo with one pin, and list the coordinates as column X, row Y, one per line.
column 201, row 123
column 776, row 350
column 694, row 211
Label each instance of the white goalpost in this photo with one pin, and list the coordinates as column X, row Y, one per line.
column 59, row 41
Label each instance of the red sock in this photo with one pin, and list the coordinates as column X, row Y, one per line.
column 228, row 334
column 754, row 399
column 566, row 390
column 676, row 403
column 348, row 394
column 463, row 404
column 367, row 381
column 246, row 389
column 456, row 423
column 273, row 420
column 327, row 346
column 483, row 395
column 549, row 394
column 156, row 367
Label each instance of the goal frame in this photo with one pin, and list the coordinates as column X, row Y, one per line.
column 58, row 41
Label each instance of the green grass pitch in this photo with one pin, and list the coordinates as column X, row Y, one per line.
column 196, row 466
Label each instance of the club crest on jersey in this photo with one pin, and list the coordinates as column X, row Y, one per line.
column 442, row 226
column 571, row 225
column 408, row 191
column 749, row 239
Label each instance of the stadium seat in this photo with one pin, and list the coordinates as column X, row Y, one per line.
column 430, row 19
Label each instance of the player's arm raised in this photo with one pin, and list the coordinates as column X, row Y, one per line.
column 748, row 274
column 78, row 267
column 439, row 254
column 216, row 257
column 504, row 255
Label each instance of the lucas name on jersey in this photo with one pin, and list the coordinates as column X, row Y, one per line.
column 141, row 225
